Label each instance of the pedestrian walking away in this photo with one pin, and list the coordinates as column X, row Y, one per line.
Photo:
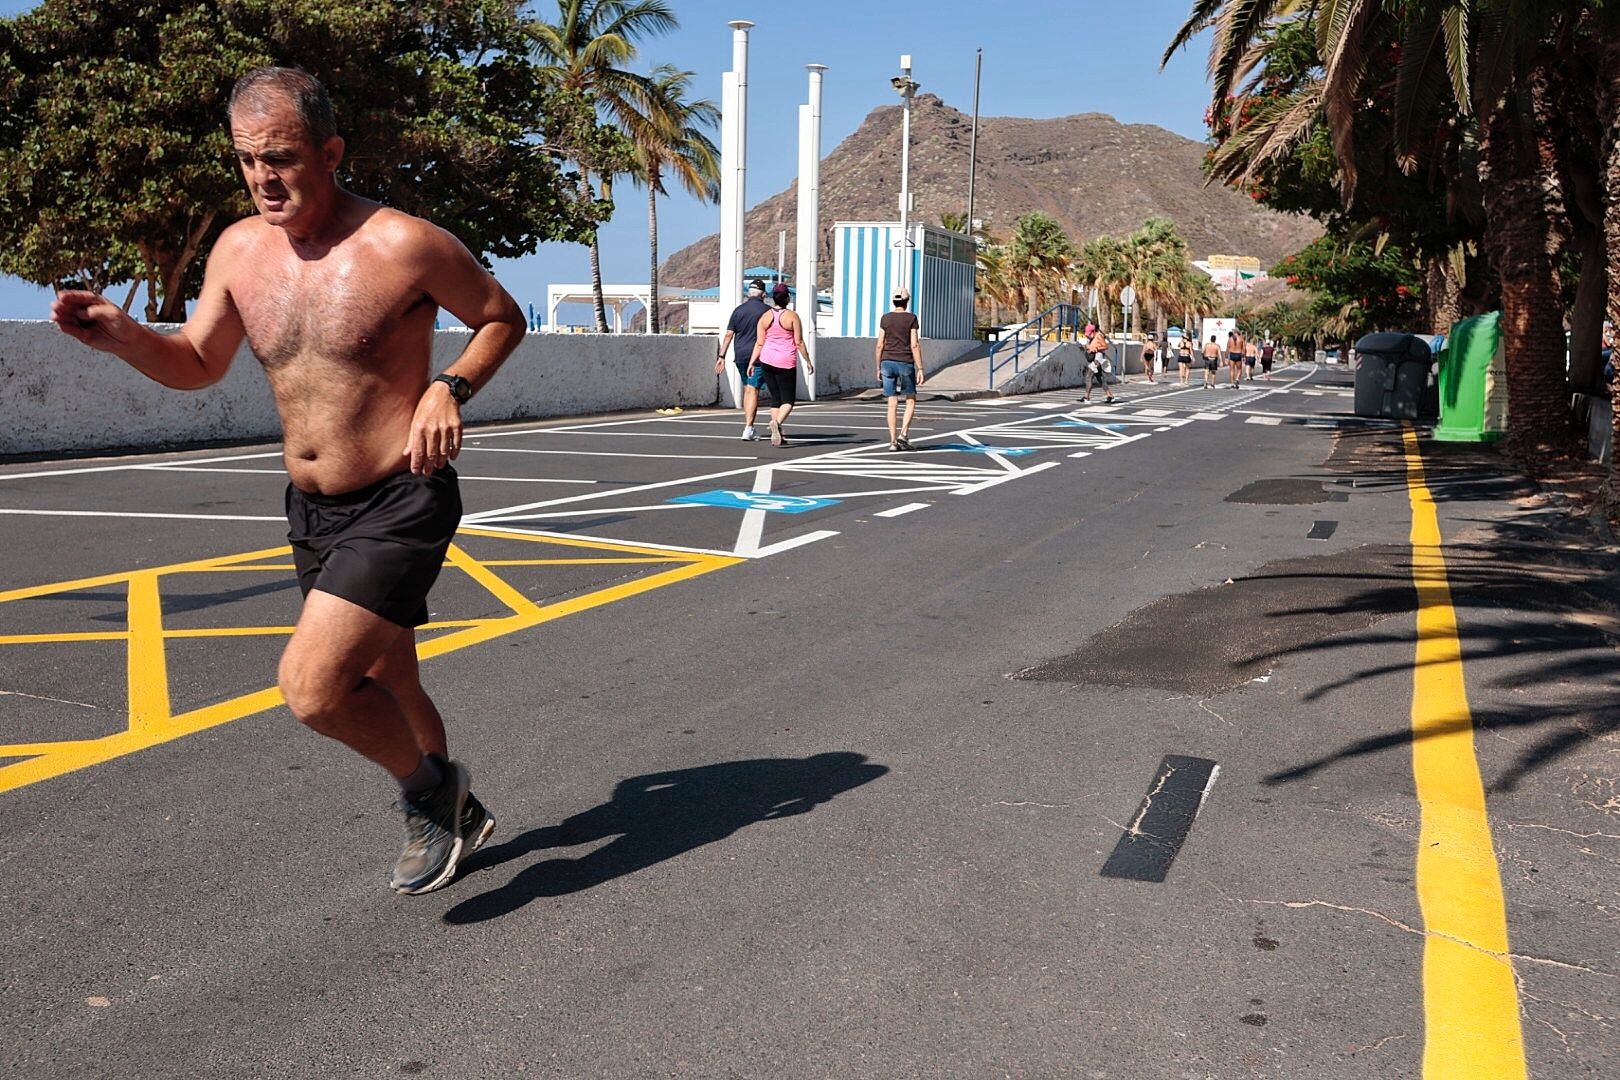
column 1268, row 354
column 1251, row 356
column 1097, row 362
column 1234, row 358
column 778, row 344
column 1212, row 362
column 337, row 297
column 899, row 363
column 741, row 331
column 1184, row 360
column 1149, row 355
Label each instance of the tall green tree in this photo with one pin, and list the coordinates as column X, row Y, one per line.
column 1038, row 257
column 673, row 140
column 1104, row 264
column 588, row 50
column 115, row 155
column 1494, row 64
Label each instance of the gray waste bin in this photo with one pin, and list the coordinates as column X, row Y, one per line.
column 1394, row 377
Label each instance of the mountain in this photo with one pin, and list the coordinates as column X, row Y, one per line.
column 1094, row 174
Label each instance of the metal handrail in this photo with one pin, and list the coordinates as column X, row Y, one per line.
column 1059, row 322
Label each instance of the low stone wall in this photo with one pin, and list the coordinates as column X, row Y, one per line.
column 58, row 396
column 1062, row 367
column 844, row 364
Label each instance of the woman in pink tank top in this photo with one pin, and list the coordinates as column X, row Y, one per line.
column 777, row 348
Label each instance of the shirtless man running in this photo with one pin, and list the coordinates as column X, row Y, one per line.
column 336, row 296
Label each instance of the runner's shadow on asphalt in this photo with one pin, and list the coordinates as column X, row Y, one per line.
column 657, row 817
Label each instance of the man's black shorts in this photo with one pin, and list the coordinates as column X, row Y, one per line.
column 380, row 547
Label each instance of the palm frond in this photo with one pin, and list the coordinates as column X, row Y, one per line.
column 1421, row 82
column 1342, row 30
column 1199, row 19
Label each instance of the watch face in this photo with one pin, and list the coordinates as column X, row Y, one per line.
column 460, row 388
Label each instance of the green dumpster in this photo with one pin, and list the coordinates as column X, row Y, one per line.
column 1473, row 382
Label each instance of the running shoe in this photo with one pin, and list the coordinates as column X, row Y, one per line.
column 776, row 434
column 749, row 434
column 894, row 448
column 433, row 838
column 905, row 443
column 477, row 823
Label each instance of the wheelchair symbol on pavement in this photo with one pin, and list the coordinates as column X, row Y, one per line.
column 752, row 500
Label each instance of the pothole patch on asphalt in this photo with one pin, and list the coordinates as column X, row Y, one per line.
column 1228, row 635
column 1281, row 492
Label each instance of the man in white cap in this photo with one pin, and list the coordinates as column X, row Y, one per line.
column 742, row 329
column 899, row 364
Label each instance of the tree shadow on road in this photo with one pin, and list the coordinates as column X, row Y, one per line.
column 1537, row 590
column 659, row 816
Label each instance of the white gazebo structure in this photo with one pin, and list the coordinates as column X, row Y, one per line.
column 616, row 297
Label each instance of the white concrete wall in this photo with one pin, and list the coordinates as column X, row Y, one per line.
column 1063, row 366
column 844, row 364
column 56, row 395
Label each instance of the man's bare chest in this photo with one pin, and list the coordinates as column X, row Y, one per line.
column 343, row 312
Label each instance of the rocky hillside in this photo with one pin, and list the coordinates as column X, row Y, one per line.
column 1094, row 174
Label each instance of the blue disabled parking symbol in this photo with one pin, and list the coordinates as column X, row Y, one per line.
column 756, row 500
column 969, row 448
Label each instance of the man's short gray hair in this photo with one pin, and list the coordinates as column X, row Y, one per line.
column 298, row 86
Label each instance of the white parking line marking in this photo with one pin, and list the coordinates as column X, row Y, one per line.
column 789, row 545
column 128, row 514
column 609, row 453
column 898, row 510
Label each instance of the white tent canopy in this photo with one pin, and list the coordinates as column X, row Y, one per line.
column 617, row 298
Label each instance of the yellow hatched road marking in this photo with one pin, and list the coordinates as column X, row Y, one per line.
column 1470, row 995
column 150, row 723
column 148, row 664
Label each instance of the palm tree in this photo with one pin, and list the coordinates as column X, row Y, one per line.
column 1038, row 257
column 1158, row 260
column 995, row 283
column 586, row 51
column 1104, row 264
column 671, row 138
column 1492, row 60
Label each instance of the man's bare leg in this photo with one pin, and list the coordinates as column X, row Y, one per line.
column 330, row 678
column 750, row 405
column 399, row 674
column 325, row 677
column 905, row 424
column 396, row 669
column 894, row 407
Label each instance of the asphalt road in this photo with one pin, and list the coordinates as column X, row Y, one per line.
column 1060, row 748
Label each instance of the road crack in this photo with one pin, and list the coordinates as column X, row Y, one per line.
column 1506, row 958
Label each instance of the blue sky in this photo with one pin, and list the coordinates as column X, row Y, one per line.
column 1041, row 58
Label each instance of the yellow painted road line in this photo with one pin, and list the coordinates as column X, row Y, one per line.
column 149, row 721
column 1470, row 995
column 575, row 562
column 569, row 541
column 225, row 562
column 148, row 663
column 56, row 639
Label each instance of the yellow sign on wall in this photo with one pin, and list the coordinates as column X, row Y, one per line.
column 1233, row 262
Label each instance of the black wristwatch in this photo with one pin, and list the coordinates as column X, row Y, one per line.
column 460, row 388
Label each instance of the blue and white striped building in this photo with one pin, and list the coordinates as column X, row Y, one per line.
column 867, row 261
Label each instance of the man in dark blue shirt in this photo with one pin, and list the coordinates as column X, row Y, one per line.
column 742, row 331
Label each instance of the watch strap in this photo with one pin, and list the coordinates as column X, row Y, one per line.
column 460, row 388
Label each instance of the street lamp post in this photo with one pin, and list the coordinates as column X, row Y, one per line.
column 906, row 86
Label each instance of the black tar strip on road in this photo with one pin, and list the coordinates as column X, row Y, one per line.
column 1155, row 836
column 1321, row 530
